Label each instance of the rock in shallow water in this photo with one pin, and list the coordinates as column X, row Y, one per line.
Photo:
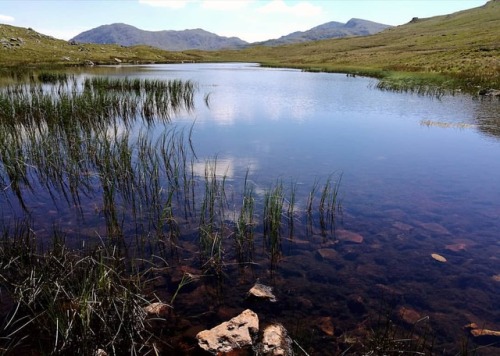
column 275, row 341
column 158, row 309
column 262, row 291
column 438, row 258
column 349, row 236
column 476, row 331
column 328, row 254
column 236, row 333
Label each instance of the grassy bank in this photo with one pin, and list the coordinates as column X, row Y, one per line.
column 24, row 46
column 456, row 51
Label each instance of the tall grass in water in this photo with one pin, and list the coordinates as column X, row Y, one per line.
column 329, row 204
column 291, row 208
column 74, row 142
column 71, row 302
column 212, row 210
column 274, row 199
column 244, row 236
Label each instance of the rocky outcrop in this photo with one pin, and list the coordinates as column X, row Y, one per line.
column 237, row 333
column 490, row 92
column 12, row 42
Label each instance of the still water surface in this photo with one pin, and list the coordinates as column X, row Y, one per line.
column 420, row 175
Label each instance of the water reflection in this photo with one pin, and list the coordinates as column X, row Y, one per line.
column 271, row 138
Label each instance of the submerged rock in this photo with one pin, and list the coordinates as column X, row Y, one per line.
column 409, row 315
column 328, row 254
column 349, row 236
column 476, row 331
column 158, row 309
column 234, row 334
column 457, row 247
column 325, row 324
column 435, row 228
column 275, row 341
column 262, row 291
column 438, row 257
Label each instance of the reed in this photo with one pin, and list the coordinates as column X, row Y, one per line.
column 329, row 204
column 53, row 77
column 291, row 208
column 390, row 338
column 76, row 142
column 274, row 199
column 244, row 236
column 212, row 225
column 94, row 303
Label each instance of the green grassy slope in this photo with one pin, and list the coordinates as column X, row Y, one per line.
column 21, row 46
column 461, row 48
column 464, row 46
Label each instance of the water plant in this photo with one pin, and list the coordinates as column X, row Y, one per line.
column 96, row 302
column 244, row 236
column 274, row 199
column 212, row 226
column 329, row 203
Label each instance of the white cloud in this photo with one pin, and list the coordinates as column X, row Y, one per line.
column 298, row 9
column 62, row 34
column 172, row 4
column 225, row 5
column 6, row 18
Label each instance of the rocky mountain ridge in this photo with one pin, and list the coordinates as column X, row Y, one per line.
column 127, row 35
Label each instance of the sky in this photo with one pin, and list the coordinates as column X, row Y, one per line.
column 250, row 20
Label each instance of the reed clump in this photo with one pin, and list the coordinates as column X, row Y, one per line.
column 73, row 140
column 71, row 302
column 212, row 228
column 108, row 142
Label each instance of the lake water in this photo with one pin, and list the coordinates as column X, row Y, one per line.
column 420, row 176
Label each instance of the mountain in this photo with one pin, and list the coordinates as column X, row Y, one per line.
column 24, row 47
column 127, row 35
column 354, row 27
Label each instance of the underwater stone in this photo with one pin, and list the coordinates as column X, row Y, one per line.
column 275, row 341
column 328, row 254
column 349, row 236
column 236, row 333
column 158, row 309
column 325, row 324
column 262, row 291
column 409, row 315
column 476, row 331
column 438, row 257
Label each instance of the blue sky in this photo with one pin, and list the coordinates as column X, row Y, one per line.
column 250, row 20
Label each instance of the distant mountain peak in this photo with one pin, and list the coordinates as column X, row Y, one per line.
column 198, row 38
column 128, row 35
column 333, row 29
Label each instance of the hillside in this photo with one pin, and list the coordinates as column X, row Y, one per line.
column 354, row 27
column 21, row 46
column 462, row 46
column 127, row 35
column 460, row 49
